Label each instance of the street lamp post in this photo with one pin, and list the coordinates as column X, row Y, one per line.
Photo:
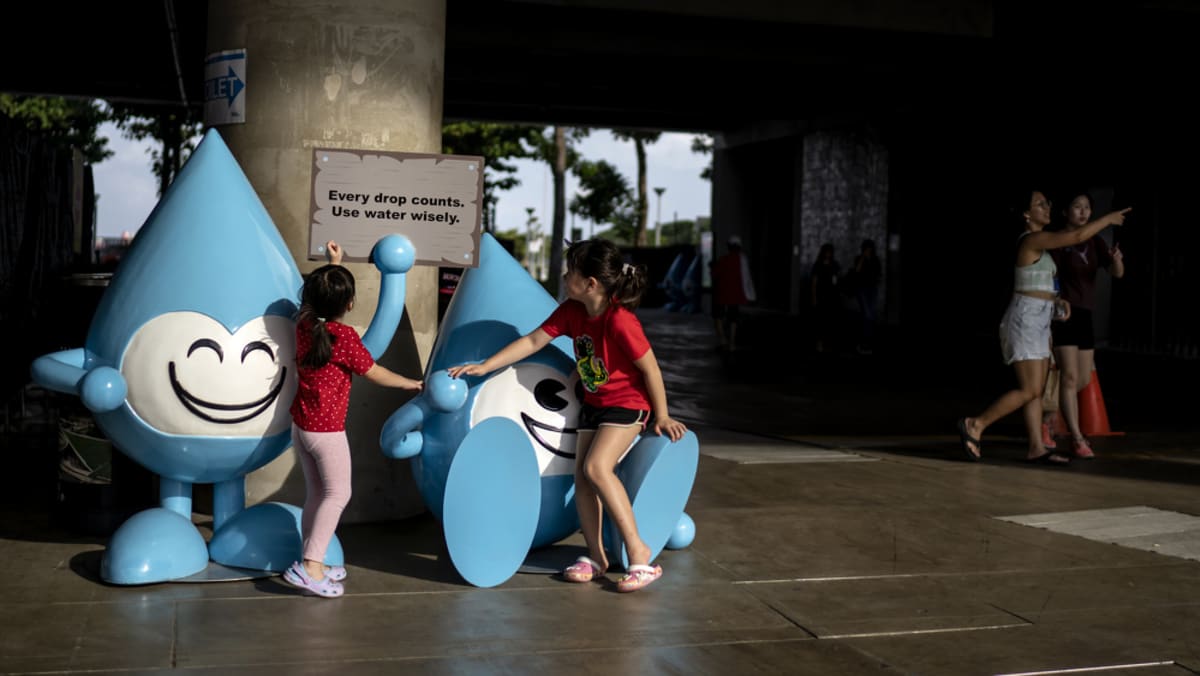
column 658, row 218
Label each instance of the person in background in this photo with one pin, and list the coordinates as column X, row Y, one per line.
column 1025, row 327
column 867, row 273
column 1074, row 338
column 732, row 288
column 826, row 303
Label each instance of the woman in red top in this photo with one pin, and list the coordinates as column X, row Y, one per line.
column 622, row 385
column 327, row 353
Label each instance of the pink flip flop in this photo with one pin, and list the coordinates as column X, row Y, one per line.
column 583, row 570
column 639, row 576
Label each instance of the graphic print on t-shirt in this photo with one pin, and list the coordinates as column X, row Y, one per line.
column 591, row 368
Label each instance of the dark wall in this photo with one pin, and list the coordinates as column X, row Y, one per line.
column 38, row 313
column 956, row 176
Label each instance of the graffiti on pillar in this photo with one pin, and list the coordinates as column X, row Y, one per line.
column 433, row 200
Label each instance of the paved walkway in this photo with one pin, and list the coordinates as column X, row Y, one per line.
column 836, row 534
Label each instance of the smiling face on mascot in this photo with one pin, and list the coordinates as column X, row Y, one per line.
column 199, row 322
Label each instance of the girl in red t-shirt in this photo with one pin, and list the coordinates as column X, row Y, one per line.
column 622, row 384
column 327, row 353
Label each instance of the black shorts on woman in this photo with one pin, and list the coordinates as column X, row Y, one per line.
column 1076, row 331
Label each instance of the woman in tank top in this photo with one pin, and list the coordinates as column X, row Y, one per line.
column 1025, row 327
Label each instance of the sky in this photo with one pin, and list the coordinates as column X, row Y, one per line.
column 127, row 187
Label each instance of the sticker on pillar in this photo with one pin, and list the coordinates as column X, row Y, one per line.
column 225, row 87
column 436, row 201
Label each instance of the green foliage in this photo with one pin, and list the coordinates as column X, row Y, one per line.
column 67, row 122
column 547, row 151
column 519, row 241
column 176, row 129
column 679, row 232
column 603, row 192
column 647, row 137
column 703, row 145
column 642, row 204
column 496, row 143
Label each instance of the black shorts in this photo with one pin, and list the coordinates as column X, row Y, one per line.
column 1076, row 331
column 729, row 313
column 593, row 417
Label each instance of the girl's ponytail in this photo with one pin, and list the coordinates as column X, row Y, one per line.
column 321, row 350
column 630, row 286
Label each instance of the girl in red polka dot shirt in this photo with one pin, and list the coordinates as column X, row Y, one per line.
column 328, row 352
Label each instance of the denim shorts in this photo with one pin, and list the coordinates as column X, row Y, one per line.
column 1025, row 329
column 593, row 417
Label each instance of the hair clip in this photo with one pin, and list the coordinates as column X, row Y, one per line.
column 626, row 269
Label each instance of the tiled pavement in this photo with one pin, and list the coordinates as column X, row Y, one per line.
column 803, row 563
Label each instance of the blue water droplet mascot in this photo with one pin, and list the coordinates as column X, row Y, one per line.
column 494, row 457
column 189, row 367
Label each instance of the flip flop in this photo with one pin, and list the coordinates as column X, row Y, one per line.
column 639, row 576
column 966, row 440
column 583, row 570
column 1082, row 449
column 1049, row 458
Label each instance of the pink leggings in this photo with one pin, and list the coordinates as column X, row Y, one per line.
column 325, row 458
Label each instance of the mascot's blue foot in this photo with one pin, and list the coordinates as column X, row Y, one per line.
column 156, row 545
column 265, row 537
column 493, row 494
column 684, row 533
column 658, row 475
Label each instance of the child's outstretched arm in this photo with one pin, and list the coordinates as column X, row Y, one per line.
column 509, row 354
column 381, row 375
column 663, row 422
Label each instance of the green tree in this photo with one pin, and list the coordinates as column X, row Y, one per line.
column 176, row 129
column 497, row 144
column 558, row 150
column 703, row 145
column 605, row 198
column 640, row 140
column 679, row 232
column 72, row 123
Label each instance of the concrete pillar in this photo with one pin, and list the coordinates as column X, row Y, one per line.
column 362, row 74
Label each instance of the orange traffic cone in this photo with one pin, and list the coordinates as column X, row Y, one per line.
column 1093, row 418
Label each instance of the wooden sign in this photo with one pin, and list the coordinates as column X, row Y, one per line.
column 359, row 196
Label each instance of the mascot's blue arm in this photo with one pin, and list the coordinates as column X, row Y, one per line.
column 102, row 388
column 394, row 256
column 400, row 437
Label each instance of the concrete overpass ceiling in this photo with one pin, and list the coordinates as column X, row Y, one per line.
column 949, row 17
column 117, row 51
column 576, row 63
column 695, row 65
